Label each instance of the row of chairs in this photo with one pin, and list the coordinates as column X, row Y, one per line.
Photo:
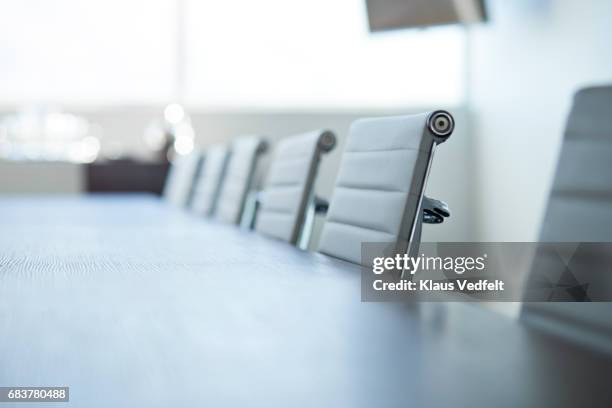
column 378, row 194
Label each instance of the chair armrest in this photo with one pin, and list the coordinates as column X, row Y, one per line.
column 321, row 205
column 434, row 211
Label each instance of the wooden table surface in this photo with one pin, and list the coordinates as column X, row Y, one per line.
column 131, row 303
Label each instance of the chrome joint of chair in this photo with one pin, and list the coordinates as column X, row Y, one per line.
column 441, row 125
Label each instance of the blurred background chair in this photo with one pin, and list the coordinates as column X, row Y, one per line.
column 239, row 178
column 289, row 191
column 580, row 210
column 208, row 183
column 381, row 181
column 181, row 175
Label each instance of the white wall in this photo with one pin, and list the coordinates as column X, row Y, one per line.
column 41, row 178
column 524, row 66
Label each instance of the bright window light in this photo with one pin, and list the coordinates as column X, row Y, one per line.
column 315, row 54
column 227, row 54
column 87, row 52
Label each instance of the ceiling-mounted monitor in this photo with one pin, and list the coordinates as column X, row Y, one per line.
column 395, row 14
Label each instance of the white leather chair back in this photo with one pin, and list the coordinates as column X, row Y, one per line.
column 180, row 179
column 208, row 185
column 579, row 210
column 237, row 182
column 290, row 184
column 380, row 183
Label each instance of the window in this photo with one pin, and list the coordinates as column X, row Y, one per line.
column 314, row 54
column 87, row 52
column 226, row 54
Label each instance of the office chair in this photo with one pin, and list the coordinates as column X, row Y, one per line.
column 378, row 196
column 180, row 178
column 238, row 181
column 289, row 188
column 579, row 210
column 208, row 184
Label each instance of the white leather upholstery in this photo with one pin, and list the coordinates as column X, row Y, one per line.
column 579, row 210
column 181, row 175
column 238, row 178
column 580, row 203
column 379, row 186
column 290, row 182
column 208, row 185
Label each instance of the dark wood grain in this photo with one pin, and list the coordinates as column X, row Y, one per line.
column 133, row 304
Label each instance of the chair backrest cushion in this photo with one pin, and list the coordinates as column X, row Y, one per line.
column 580, row 210
column 244, row 154
column 208, row 185
column 379, row 186
column 290, row 183
column 180, row 178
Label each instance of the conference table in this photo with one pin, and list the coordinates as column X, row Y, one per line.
column 133, row 303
